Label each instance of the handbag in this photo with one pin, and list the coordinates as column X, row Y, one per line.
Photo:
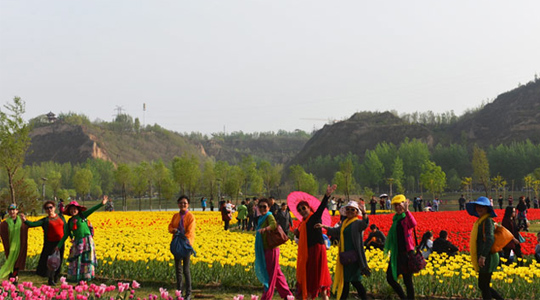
column 502, row 235
column 180, row 246
column 276, row 237
column 416, row 261
column 348, row 257
column 53, row 261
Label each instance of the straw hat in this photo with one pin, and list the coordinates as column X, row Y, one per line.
column 354, row 204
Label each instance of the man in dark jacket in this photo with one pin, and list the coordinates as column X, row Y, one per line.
column 443, row 245
column 376, row 238
column 283, row 218
column 274, row 207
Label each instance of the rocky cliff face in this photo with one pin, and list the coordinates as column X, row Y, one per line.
column 63, row 143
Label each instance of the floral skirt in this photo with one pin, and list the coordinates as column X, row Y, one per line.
column 82, row 260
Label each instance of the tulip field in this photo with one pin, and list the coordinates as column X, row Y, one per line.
column 135, row 246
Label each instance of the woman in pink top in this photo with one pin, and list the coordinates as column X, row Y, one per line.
column 399, row 243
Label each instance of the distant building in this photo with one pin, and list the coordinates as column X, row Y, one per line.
column 51, row 117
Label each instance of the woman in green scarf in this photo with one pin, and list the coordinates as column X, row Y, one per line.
column 482, row 238
column 14, row 234
column 399, row 243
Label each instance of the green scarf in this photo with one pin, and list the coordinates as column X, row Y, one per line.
column 392, row 243
column 14, row 229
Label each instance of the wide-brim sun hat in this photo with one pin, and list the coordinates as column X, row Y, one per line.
column 342, row 210
column 398, row 199
column 483, row 201
column 71, row 204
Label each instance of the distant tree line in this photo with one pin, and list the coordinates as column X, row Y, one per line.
column 413, row 167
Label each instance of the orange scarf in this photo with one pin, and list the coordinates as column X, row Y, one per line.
column 301, row 260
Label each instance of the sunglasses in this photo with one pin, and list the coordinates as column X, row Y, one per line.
column 350, row 209
column 183, row 203
column 263, row 206
column 49, row 207
column 302, row 208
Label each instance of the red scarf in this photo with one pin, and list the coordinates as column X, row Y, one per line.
column 301, row 261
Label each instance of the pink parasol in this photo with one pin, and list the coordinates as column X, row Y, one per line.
column 295, row 197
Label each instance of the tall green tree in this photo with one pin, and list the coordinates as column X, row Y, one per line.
column 348, row 183
column 433, row 178
column 54, row 180
column 14, row 141
column 209, row 186
column 122, row 177
column 103, row 171
column 271, row 175
column 140, row 180
column 480, row 166
column 398, row 175
column 233, row 183
column 162, row 180
column 414, row 154
column 372, row 170
column 82, row 181
column 186, row 173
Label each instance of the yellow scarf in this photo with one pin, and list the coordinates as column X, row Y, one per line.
column 301, row 260
column 472, row 242
column 338, row 271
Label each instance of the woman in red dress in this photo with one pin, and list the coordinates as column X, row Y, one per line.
column 312, row 274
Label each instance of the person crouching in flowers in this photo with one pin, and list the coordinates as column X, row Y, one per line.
column 351, row 233
column 185, row 222
column 82, row 255
column 482, row 238
column 399, row 243
column 267, row 266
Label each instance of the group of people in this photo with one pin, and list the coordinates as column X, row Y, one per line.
column 312, row 273
column 56, row 229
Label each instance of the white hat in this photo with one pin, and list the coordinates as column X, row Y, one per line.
column 383, row 195
column 350, row 204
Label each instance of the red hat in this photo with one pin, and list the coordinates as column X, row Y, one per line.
column 73, row 203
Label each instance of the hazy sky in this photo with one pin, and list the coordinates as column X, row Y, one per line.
column 262, row 65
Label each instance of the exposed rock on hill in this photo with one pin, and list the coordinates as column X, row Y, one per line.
column 63, row 143
column 73, row 143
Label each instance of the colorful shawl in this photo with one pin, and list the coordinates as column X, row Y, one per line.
column 14, row 246
column 260, row 260
column 338, row 271
column 392, row 243
column 301, row 260
column 472, row 242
